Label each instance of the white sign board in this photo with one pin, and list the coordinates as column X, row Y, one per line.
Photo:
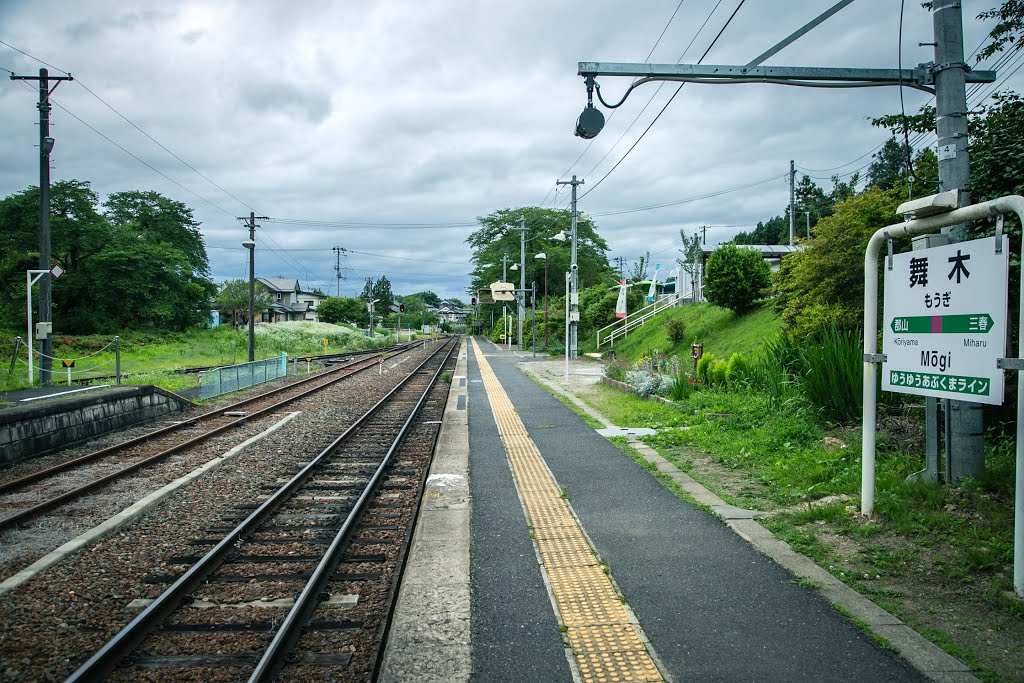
column 944, row 322
column 503, row 291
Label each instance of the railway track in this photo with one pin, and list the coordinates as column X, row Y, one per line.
column 322, row 358
column 158, row 445
column 297, row 586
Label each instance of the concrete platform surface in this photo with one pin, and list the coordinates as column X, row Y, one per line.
column 714, row 596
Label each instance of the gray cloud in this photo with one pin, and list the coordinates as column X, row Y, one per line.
column 402, row 111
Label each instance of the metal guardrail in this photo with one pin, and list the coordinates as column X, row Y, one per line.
column 620, row 328
column 234, row 377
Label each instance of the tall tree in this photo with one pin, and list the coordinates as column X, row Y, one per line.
column 496, row 237
column 382, row 292
column 691, row 256
column 889, row 166
column 1006, row 34
column 233, row 298
column 638, row 271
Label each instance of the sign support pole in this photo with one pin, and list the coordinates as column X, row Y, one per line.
column 1008, row 204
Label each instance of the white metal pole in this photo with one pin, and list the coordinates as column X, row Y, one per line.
column 1018, row 491
column 567, row 328
column 28, row 290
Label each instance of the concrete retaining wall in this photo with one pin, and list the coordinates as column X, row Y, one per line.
column 48, row 426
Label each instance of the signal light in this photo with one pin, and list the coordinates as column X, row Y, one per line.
column 401, row 308
column 472, row 302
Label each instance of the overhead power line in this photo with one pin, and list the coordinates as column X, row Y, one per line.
column 138, row 128
column 651, row 124
column 651, row 52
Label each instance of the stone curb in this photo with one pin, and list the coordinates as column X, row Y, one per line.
column 429, row 639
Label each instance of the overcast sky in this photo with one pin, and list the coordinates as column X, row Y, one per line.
column 396, row 123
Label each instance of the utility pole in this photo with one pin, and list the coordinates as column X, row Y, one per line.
column 574, row 283
column 621, row 261
column 949, row 72
column 704, row 234
column 792, row 203
column 337, row 267
column 521, row 295
column 369, row 302
column 45, row 289
column 251, row 244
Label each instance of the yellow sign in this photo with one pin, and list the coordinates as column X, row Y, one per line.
column 69, row 363
column 309, row 359
column 326, row 341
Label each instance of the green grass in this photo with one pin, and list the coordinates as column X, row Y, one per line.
column 720, row 330
column 151, row 357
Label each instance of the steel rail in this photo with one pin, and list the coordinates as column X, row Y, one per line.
column 202, row 368
column 56, row 501
column 288, row 633
column 131, row 635
column 14, row 484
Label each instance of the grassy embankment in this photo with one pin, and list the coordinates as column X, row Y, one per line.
column 154, row 357
column 939, row 557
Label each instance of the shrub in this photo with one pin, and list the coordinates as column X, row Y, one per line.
column 645, row 383
column 676, row 330
column 680, row 388
column 737, row 370
column 702, row 367
column 833, row 373
column 735, row 277
column 616, row 370
column 717, row 373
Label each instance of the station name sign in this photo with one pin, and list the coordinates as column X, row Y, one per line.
column 944, row 321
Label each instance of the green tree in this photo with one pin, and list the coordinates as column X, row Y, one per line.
column 385, row 298
column 735, row 277
column 775, row 231
column 692, row 254
column 824, row 284
column 336, row 309
column 889, row 166
column 495, row 238
column 233, row 299
column 638, row 271
column 1006, row 34
column 428, row 298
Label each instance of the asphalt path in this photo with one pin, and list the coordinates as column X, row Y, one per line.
column 713, row 607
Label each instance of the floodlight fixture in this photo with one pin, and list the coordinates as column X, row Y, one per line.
column 591, row 120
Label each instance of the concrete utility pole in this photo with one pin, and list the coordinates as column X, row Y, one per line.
column 337, row 267
column 45, row 289
column 792, row 203
column 967, row 440
column 621, row 261
column 574, row 283
column 251, row 245
column 521, row 295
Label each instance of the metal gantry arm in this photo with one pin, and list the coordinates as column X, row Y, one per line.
column 920, row 77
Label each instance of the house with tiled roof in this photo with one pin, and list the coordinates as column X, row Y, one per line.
column 290, row 302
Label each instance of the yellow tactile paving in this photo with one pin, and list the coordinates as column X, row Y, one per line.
column 607, row 647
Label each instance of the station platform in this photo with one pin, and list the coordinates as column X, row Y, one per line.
column 544, row 553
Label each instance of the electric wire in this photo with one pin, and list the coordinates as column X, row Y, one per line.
column 646, row 59
column 651, row 124
column 138, row 128
column 66, row 73
column 653, row 96
column 164, row 148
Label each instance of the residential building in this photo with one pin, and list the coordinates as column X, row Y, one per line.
column 290, row 302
